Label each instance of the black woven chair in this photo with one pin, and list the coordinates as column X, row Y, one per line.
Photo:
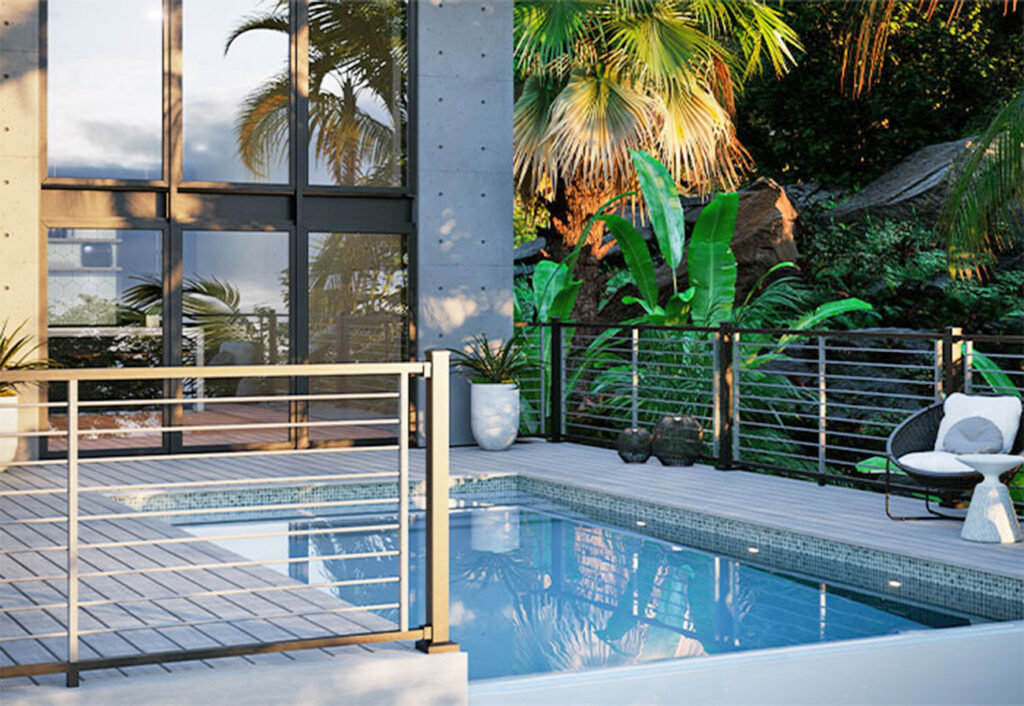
column 918, row 433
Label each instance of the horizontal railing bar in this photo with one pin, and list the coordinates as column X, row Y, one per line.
column 238, row 481
column 29, row 464
column 32, row 434
column 26, row 608
column 218, row 372
column 875, row 393
column 43, row 636
column 233, row 564
column 212, row 621
column 29, row 579
column 237, row 427
column 898, row 351
column 235, row 454
column 222, row 400
column 37, row 405
column 899, row 367
column 809, row 415
column 40, row 668
column 31, row 492
column 237, row 508
column 238, row 591
column 225, row 538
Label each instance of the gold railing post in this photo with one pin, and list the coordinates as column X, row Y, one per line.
column 437, row 506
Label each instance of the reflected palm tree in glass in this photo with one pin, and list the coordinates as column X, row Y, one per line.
column 358, row 63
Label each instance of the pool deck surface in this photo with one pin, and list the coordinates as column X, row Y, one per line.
column 841, row 514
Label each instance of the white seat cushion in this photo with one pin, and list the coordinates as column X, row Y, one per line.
column 1003, row 411
column 935, row 462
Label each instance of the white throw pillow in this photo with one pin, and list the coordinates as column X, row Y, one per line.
column 935, row 461
column 1003, row 411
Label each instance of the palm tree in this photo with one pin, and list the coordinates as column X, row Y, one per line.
column 357, row 105
column 986, row 190
column 601, row 78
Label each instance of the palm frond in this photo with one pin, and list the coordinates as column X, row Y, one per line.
column 261, row 128
column 15, row 351
column 548, row 34
column 986, row 190
column 594, row 120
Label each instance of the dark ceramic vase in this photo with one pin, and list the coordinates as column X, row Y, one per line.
column 677, row 440
column 634, row 445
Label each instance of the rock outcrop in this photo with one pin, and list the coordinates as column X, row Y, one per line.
column 915, row 186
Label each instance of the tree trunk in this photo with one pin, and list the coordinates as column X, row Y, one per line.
column 570, row 209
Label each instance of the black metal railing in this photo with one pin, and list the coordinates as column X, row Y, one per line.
column 813, row 404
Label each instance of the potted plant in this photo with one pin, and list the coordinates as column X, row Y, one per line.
column 493, row 369
column 15, row 350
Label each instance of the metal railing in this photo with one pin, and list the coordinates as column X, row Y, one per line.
column 95, row 575
column 812, row 404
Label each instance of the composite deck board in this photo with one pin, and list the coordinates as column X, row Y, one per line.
column 842, row 514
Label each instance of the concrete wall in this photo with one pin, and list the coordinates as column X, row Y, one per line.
column 956, row 666
column 22, row 262
column 463, row 256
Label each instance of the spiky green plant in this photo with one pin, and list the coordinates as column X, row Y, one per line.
column 16, row 351
column 487, row 362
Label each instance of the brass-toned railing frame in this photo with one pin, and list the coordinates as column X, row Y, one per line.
column 431, row 637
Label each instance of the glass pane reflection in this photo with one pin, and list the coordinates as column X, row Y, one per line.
column 235, row 91
column 235, row 312
column 357, row 93
column 357, row 313
column 104, row 306
column 105, row 88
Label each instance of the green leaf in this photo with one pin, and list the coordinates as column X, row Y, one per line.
column 711, row 264
column 634, row 250
column 662, row 199
column 993, row 375
column 828, row 310
column 647, row 306
column 678, row 307
column 553, row 289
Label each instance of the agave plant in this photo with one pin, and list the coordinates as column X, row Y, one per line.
column 487, row 362
column 16, row 349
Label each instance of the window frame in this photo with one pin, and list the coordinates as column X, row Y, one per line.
column 172, row 205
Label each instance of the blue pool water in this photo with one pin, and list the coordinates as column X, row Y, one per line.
column 536, row 591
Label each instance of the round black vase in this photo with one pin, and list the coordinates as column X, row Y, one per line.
column 634, row 445
column 677, row 440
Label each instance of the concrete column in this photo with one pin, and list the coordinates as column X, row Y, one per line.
column 22, row 241
column 463, row 253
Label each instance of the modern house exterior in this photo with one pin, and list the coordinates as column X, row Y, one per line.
column 186, row 182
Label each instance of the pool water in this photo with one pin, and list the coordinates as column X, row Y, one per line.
column 537, row 591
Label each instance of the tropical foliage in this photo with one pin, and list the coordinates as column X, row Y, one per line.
column 17, row 355
column 987, row 190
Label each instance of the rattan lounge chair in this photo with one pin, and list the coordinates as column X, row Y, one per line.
column 917, row 434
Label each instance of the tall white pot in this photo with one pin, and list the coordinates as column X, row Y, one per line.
column 495, row 414
column 8, row 424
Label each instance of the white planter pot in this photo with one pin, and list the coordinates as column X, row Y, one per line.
column 8, row 424
column 495, row 414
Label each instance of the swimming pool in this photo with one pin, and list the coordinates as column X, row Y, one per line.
column 535, row 588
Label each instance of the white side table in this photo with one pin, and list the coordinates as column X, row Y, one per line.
column 991, row 518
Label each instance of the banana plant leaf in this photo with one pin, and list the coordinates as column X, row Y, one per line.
column 711, row 264
column 993, row 375
column 662, row 200
column 635, row 252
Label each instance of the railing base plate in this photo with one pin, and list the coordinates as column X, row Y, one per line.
column 433, row 648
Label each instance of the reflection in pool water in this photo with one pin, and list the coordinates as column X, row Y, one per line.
column 536, row 592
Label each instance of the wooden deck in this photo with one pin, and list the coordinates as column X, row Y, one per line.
column 846, row 515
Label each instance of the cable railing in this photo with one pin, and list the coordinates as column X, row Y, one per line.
column 98, row 570
column 813, row 404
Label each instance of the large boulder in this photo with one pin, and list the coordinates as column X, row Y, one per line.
column 914, row 187
column 766, row 227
